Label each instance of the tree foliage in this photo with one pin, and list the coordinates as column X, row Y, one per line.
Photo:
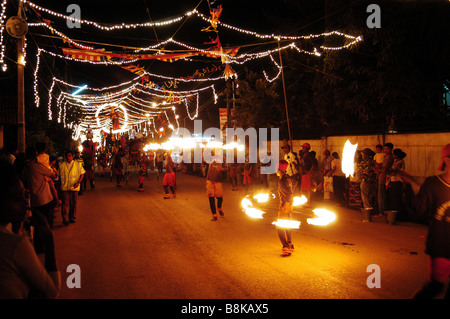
column 257, row 101
column 394, row 77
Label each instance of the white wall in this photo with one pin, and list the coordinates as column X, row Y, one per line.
column 423, row 150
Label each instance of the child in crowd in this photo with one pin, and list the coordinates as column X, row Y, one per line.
column 379, row 156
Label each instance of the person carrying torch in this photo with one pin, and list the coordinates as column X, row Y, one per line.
column 285, row 193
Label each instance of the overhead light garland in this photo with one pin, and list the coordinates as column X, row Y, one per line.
column 188, row 14
column 113, row 27
column 125, row 96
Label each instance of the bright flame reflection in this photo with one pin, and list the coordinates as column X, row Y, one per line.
column 324, row 217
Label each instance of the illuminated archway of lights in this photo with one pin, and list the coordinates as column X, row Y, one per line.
column 112, row 105
column 140, row 104
column 128, row 96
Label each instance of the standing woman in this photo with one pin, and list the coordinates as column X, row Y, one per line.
column 22, row 274
column 368, row 183
column 338, row 179
column 394, row 184
column 170, row 178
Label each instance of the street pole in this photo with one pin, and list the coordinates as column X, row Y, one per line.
column 234, row 98
column 228, row 110
column 285, row 99
column 20, row 90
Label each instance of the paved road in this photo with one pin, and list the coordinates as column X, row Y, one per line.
column 133, row 245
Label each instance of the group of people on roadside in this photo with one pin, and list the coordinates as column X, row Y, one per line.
column 308, row 176
column 26, row 193
column 32, row 186
column 429, row 204
column 379, row 184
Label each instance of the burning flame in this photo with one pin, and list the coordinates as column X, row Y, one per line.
column 263, row 197
column 324, row 217
column 251, row 211
column 298, row 201
column 348, row 158
column 287, row 223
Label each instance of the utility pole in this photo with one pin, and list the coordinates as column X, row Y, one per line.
column 234, row 98
column 20, row 89
column 285, row 99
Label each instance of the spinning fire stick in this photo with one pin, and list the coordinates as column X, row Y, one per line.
column 321, row 216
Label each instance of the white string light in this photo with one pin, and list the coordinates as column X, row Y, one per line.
column 276, row 76
column 2, row 44
column 35, row 83
column 205, row 18
column 113, row 27
column 62, row 35
column 280, row 37
column 50, row 96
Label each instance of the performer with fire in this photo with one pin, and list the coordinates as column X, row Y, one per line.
column 285, row 209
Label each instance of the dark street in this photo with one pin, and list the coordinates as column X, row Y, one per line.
column 132, row 245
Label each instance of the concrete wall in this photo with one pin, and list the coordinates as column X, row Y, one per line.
column 423, row 150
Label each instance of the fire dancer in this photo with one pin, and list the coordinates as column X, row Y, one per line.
column 285, row 194
column 214, row 187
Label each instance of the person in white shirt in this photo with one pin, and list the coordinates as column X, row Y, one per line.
column 71, row 173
